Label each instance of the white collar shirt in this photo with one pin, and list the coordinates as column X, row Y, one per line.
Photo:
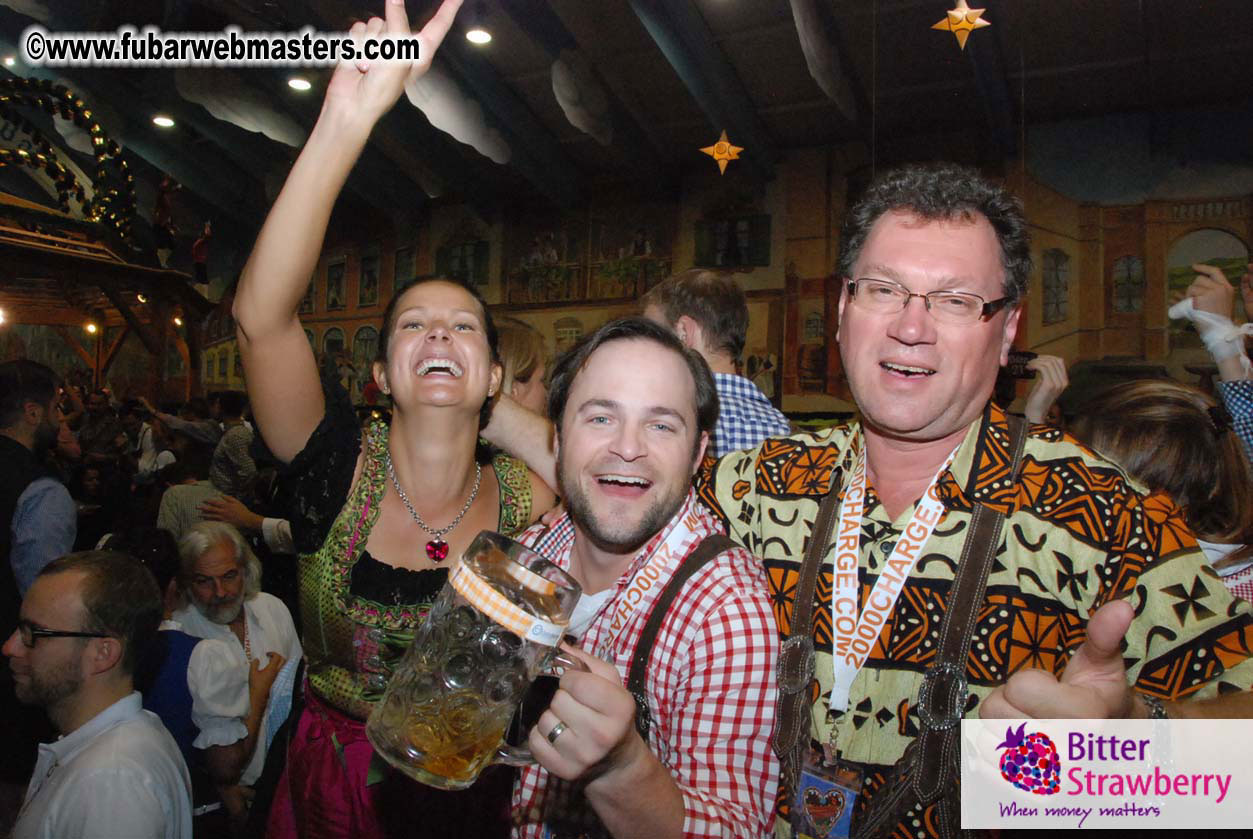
column 270, row 630
column 118, row 775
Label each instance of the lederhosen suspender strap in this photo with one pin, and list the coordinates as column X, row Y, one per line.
column 928, row 771
column 708, row 550
column 586, row 825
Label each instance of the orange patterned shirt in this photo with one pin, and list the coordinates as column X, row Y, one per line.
column 1079, row 534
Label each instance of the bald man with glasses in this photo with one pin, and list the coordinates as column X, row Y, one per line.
column 85, row 623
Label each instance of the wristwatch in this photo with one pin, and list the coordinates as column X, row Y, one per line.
column 1157, row 710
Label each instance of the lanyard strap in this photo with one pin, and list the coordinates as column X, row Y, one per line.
column 620, row 609
column 852, row 635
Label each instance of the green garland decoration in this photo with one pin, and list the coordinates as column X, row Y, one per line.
column 114, row 201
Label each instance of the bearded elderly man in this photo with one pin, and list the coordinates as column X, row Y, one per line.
column 669, row 604
column 220, row 581
column 935, row 261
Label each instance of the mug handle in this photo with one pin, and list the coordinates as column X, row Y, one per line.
column 521, row 755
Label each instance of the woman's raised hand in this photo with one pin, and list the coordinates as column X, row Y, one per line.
column 365, row 90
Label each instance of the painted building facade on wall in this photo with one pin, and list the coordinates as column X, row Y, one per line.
column 1102, row 279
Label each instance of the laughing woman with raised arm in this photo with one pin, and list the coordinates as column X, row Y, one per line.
column 378, row 516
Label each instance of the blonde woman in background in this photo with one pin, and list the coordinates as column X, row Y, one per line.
column 525, row 361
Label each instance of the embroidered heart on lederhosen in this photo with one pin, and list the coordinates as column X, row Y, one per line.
column 824, row 809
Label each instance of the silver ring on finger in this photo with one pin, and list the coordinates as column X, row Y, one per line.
column 556, row 732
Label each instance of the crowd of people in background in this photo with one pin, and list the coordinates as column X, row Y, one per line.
column 207, row 598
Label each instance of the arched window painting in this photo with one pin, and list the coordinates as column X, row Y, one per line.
column 405, row 269
column 365, row 345
column 307, row 302
column 567, row 331
column 1056, row 269
column 815, row 327
column 335, row 286
column 1128, row 284
column 332, row 351
column 811, row 355
column 368, row 285
column 1212, row 247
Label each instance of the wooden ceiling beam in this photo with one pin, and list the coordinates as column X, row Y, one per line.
column 73, row 344
column 687, row 43
column 536, row 153
column 825, row 59
column 151, row 342
column 83, row 269
column 370, row 181
column 542, row 25
column 114, row 346
column 992, row 78
column 406, row 139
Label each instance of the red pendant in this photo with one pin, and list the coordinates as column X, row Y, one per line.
column 437, row 550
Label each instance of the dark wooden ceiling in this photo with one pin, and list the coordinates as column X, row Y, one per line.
column 676, row 73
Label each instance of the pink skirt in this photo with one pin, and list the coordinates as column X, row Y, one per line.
column 323, row 794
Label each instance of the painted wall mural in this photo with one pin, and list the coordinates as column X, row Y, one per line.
column 1211, row 246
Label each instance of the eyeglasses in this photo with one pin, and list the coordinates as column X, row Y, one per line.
column 31, row 633
column 884, row 297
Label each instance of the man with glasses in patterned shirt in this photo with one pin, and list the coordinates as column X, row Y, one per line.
column 935, row 261
column 85, row 624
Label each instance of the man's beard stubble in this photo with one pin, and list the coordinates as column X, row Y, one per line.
column 581, row 513
column 47, row 689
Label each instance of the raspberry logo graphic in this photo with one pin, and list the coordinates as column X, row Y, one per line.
column 1030, row 761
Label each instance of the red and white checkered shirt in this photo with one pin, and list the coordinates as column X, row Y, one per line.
column 710, row 681
column 1239, row 580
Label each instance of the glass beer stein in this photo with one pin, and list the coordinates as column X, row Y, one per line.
column 493, row 629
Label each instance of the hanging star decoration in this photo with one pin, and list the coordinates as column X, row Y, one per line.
column 722, row 151
column 961, row 21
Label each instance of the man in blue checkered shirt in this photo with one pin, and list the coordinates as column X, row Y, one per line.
column 709, row 313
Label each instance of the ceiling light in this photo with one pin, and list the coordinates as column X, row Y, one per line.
column 163, row 121
column 297, row 83
column 141, row 298
column 10, row 60
column 1, row 315
column 178, row 321
column 476, row 32
column 91, row 328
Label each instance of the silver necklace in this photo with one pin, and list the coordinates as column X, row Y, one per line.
column 436, row 548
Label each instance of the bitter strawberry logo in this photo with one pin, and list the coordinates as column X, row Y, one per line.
column 1030, row 761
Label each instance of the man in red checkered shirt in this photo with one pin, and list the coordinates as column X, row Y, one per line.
column 633, row 411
